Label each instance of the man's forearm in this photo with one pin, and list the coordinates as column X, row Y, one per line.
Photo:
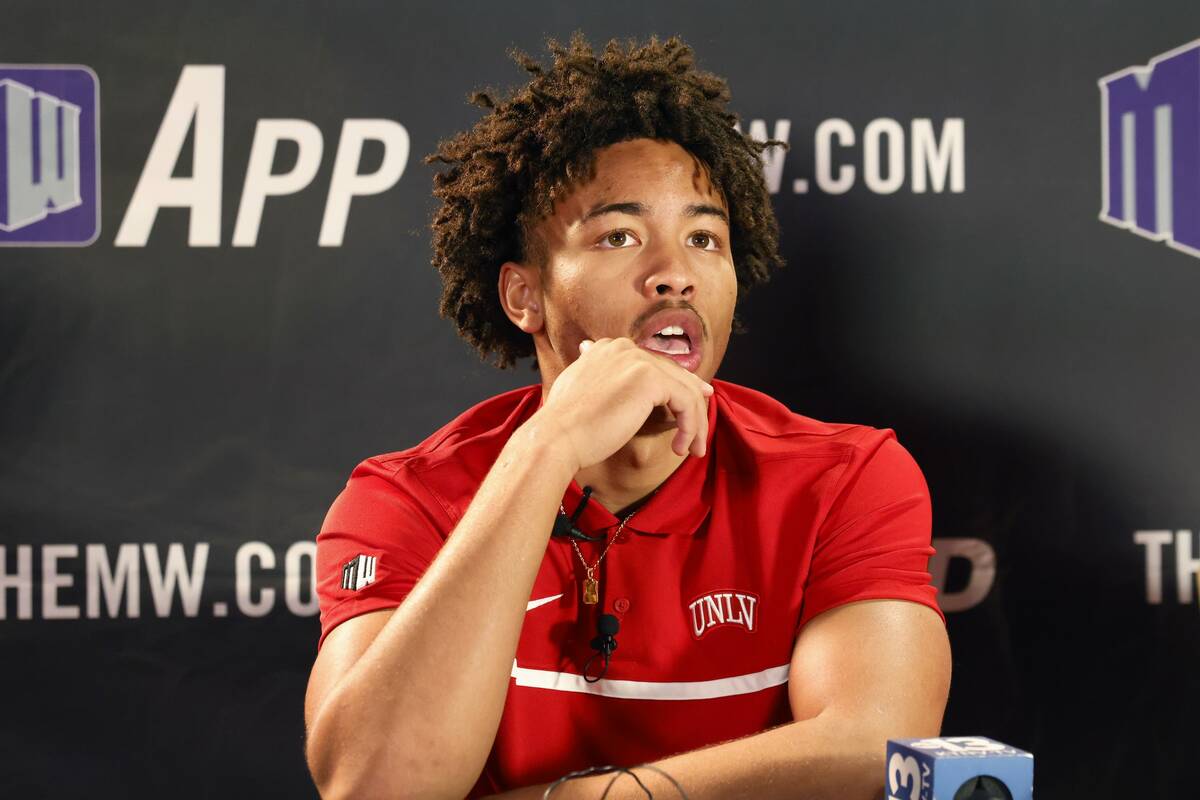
column 824, row 758
column 420, row 708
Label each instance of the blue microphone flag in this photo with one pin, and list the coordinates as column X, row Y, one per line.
column 957, row 768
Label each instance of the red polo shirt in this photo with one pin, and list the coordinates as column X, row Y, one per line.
column 711, row 579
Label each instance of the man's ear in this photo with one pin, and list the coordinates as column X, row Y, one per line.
column 521, row 295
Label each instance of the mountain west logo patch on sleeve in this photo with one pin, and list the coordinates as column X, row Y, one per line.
column 713, row 609
column 358, row 572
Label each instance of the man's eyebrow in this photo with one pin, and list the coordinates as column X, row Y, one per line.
column 634, row 209
column 638, row 209
column 700, row 209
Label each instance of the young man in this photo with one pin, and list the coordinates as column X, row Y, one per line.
column 766, row 571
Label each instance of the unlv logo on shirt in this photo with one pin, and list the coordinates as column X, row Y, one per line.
column 723, row 608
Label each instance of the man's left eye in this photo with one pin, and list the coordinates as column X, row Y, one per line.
column 708, row 239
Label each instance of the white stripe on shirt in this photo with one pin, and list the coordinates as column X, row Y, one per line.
column 651, row 690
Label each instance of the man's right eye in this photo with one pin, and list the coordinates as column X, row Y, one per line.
column 617, row 239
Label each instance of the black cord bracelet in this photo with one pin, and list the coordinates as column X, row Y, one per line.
column 584, row 773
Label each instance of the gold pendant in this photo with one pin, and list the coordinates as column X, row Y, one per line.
column 591, row 591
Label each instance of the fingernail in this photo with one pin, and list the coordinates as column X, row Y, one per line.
column 584, row 345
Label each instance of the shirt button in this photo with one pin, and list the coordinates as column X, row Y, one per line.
column 621, row 605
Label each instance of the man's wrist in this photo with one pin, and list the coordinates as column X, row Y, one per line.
column 542, row 439
column 619, row 785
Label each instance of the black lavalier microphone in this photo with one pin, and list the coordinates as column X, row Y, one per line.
column 604, row 644
column 565, row 526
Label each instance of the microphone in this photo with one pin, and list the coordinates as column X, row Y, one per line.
column 564, row 526
column 957, row 768
column 604, row 644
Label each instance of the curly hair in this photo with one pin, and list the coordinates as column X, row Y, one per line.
column 508, row 170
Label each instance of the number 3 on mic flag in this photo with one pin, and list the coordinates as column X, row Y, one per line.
column 904, row 778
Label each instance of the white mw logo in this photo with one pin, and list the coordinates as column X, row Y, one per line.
column 358, row 572
column 40, row 157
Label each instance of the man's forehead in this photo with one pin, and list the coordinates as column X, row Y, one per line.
column 634, row 160
column 624, row 177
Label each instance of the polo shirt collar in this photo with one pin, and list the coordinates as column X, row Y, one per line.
column 677, row 507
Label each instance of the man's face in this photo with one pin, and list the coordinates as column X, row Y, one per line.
column 641, row 251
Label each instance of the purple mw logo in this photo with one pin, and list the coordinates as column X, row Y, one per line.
column 1150, row 128
column 49, row 155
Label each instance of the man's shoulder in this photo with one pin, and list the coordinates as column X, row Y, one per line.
column 467, row 444
column 766, row 429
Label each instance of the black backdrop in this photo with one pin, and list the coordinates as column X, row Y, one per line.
column 190, row 408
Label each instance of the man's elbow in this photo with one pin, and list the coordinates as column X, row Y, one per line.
column 923, row 722
column 342, row 770
column 393, row 785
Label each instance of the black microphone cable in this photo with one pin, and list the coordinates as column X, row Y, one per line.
column 604, row 644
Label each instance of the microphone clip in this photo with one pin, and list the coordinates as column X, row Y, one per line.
column 564, row 527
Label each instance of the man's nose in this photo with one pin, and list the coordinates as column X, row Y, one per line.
column 671, row 275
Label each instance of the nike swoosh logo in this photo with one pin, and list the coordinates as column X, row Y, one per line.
column 541, row 601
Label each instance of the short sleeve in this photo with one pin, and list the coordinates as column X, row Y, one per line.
column 377, row 540
column 875, row 541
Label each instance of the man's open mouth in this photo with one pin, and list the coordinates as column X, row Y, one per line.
column 676, row 333
column 672, row 340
